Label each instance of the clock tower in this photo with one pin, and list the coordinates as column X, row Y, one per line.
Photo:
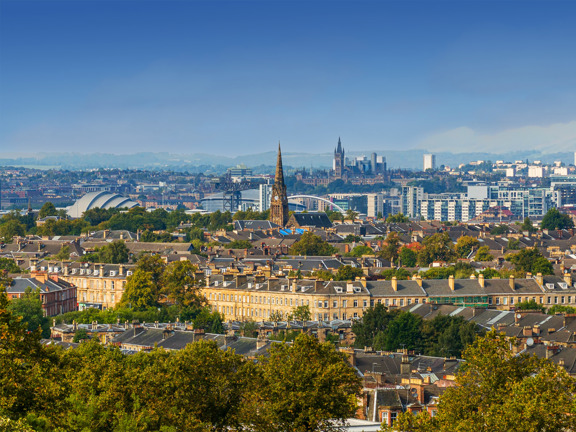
column 279, row 200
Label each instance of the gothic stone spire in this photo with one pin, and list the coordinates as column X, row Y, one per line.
column 279, row 200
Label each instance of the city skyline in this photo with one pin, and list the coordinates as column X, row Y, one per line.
column 232, row 78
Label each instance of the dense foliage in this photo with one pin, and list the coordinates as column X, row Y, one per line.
column 313, row 245
column 299, row 387
column 530, row 260
column 500, row 391
column 390, row 330
column 553, row 219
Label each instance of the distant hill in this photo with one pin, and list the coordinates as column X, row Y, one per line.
column 199, row 162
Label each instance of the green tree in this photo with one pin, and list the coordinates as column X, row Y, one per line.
column 140, row 291
column 351, row 238
column 9, row 265
column 114, row 253
column 360, row 250
column 437, row 247
column 29, row 307
column 390, row 249
column 498, row 390
column 500, row 230
column 11, row 229
column 527, row 225
column 179, row 284
column 239, row 244
column 211, row 322
column 530, row 260
column 311, row 244
column 483, row 254
column 375, row 320
column 561, row 309
column 351, row 214
column 303, row 387
column 404, row 331
column 553, row 220
column 465, row 245
column 407, row 257
column 155, row 265
column 48, row 209
column 348, row 273
column 399, row 273
column 80, row 335
column 64, row 253
column 28, row 370
column 300, row 313
column 249, row 328
column 446, row 335
column 529, row 305
column 397, row 218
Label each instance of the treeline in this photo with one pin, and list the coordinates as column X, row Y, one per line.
column 391, row 330
column 17, row 224
column 306, row 386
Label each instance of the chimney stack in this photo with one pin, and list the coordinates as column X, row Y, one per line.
column 451, row 283
column 394, row 283
column 481, row 280
column 568, row 278
column 511, row 281
column 540, row 279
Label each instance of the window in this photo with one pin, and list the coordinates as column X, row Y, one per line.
column 393, row 302
column 548, row 300
column 409, row 302
column 555, row 300
column 344, row 316
column 497, row 300
column 401, row 302
column 355, row 314
column 387, row 302
column 355, row 303
column 562, row 299
column 393, row 416
column 335, row 303
column 326, row 305
column 505, row 300
column 365, row 303
column 415, row 301
column 344, row 303
column 335, row 316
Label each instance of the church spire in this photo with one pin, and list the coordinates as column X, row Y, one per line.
column 279, row 177
column 339, row 149
column 279, row 200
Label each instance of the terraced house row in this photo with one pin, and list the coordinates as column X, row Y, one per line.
column 242, row 296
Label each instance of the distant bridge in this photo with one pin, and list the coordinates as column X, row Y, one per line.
column 336, row 206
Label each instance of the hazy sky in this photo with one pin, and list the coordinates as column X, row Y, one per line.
column 234, row 77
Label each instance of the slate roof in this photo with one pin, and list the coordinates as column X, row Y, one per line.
column 318, row 220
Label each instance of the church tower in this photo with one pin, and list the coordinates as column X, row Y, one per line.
column 338, row 160
column 279, row 200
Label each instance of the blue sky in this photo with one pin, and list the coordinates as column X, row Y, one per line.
column 234, row 77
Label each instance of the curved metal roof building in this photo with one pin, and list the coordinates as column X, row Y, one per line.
column 102, row 199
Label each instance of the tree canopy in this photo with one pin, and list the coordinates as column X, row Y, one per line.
column 500, row 391
column 531, row 260
column 553, row 219
column 311, row 244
